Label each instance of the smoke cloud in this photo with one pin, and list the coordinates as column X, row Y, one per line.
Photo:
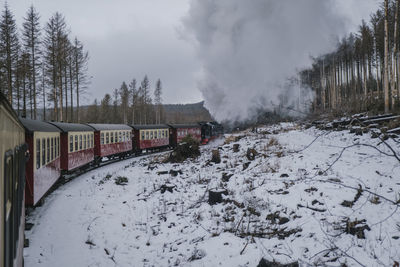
column 250, row 48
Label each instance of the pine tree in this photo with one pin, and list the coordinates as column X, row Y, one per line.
column 134, row 95
column 54, row 59
column 9, row 47
column 158, row 100
column 105, row 109
column 31, row 44
column 146, row 99
column 124, row 96
column 386, row 60
column 80, row 68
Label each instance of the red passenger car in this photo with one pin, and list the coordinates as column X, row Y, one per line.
column 77, row 145
column 150, row 137
column 43, row 167
column 111, row 140
column 179, row 131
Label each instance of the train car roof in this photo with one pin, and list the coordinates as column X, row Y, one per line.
column 186, row 125
column 72, row 127
column 105, row 127
column 150, row 126
column 38, row 126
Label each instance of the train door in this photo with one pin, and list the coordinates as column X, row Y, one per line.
column 8, row 197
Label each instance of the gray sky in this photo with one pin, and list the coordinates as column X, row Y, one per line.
column 130, row 38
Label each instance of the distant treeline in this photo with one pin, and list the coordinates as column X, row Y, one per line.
column 132, row 104
column 363, row 73
column 172, row 113
column 42, row 67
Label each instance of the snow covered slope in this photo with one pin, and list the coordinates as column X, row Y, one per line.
column 316, row 197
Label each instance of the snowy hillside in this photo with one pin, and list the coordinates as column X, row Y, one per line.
column 302, row 195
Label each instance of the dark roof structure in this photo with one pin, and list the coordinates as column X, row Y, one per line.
column 71, row 127
column 4, row 102
column 150, row 126
column 38, row 126
column 188, row 125
column 108, row 127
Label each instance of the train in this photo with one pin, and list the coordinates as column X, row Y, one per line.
column 35, row 154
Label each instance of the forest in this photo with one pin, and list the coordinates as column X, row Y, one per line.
column 363, row 73
column 41, row 66
column 44, row 73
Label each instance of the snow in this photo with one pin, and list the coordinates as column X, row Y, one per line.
column 285, row 206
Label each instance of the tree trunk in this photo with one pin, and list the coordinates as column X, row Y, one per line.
column 393, row 65
column 386, row 61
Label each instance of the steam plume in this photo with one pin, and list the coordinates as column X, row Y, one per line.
column 249, row 49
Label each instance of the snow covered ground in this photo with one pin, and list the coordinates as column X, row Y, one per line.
column 303, row 198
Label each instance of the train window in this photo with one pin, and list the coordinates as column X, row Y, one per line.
column 52, row 149
column 107, row 138
column 151, row 134
column 48, row 150
column 71, row 143
column 88, row 140
column 142, row 135
column 80, row 142
column 43, row 151
column 120, row 136
column 102, row 138
column 112, row 137
column 76, row 143
column 84, row 141
column 37, row 153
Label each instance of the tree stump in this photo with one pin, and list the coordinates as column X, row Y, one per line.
column 175, row 173
column 215, row 196
column 216, row 158
column 264, row 263
column 236, row 148
column 251, row 154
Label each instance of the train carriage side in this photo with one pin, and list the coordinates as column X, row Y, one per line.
column 77, row 145
column 43, row 168
column 150, row 137
column 180, row 131
column 12, row 186
column 111, row 140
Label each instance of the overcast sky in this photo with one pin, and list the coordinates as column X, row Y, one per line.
column 127, row 39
